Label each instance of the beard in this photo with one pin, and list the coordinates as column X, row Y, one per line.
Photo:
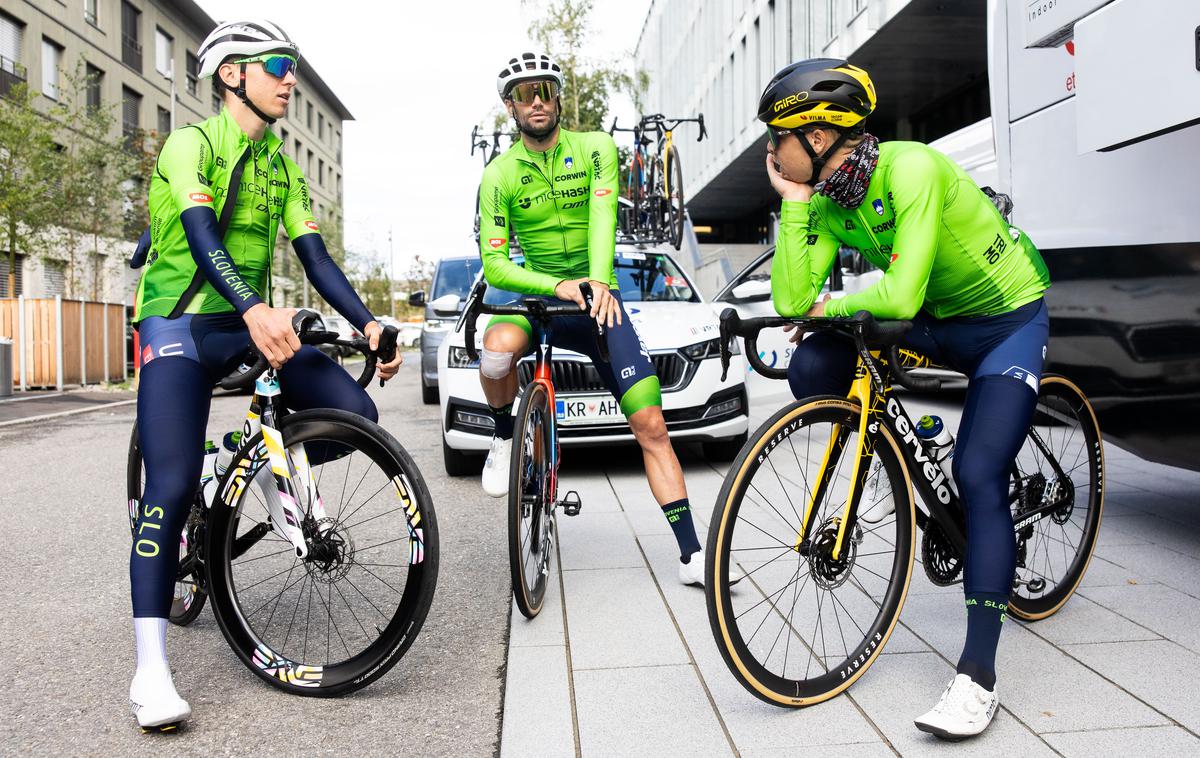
column 545, row 131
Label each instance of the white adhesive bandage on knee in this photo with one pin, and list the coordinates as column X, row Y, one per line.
column 495, row 365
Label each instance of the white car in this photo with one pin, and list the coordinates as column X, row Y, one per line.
column 678, row 328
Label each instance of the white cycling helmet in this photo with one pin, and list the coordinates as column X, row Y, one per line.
column 245, row 38
column 525, row 67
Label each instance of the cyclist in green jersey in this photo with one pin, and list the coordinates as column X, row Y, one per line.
column 557, row 191
column 204, row 296
column 972, row 285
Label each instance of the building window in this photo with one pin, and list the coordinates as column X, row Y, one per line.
column 164, row 53
column 339, row 147
column 164, row 120
column 310, row 115
column 131, row 114
column 857, row 5
column 51, row 63
column 131, row 37
column 321, row 126
column 94, row 79
column 12, row 37
column 193, row 80
column 321, row 172
column 831, row 28
column 283, row 137
column 19, row 265
column 216, row 102
column 308, row 166
column 297, row 154
column 90, row 12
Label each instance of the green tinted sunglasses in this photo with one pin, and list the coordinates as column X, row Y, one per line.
column 277, row 66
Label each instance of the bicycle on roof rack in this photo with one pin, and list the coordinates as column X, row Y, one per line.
column 655, row 183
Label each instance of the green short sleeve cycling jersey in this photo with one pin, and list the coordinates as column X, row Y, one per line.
column 940, row 241
column 561, row 204
column 193, row 169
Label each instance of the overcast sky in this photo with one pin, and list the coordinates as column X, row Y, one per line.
column 417, row 76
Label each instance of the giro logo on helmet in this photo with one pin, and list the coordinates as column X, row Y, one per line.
column 793, row 99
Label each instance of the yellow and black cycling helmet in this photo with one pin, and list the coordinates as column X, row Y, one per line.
column 817, row 92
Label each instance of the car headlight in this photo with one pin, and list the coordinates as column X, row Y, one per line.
column 458, row 358
column 709, row 349
column 437, row 325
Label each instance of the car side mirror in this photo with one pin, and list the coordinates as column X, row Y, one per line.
column 446, row 305
column 753, row 290
column 417, row 299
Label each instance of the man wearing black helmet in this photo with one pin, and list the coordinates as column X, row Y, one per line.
column 971, row 284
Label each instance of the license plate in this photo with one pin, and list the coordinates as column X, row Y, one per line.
column 588, row 410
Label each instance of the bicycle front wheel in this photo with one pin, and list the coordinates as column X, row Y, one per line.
column 531, row 523
column 1061, row 468
column 674, row 197
column 805, row 620
column 339, row 618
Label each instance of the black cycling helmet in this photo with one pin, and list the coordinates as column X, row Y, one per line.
column 819, row 91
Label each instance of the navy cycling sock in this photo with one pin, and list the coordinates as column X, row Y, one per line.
column 985, row 619
column 679, row 516
column 504, row 421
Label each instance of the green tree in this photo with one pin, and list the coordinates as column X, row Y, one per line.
column 30, row 167
column 562, row 29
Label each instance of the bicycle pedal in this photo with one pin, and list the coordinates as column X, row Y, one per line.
column 571, row 503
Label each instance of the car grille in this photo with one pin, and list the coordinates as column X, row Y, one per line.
column 579, row 376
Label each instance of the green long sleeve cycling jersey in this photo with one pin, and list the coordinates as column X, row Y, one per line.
column 940, row 241
column 193, row 172
column 562, row 205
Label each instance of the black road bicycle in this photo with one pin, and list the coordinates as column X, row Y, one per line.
column 533, row 474
column 817, row 524
column 656, row 179
column 318, row 544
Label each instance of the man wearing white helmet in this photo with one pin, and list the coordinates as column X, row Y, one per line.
column 557, row 190
column 200, row 301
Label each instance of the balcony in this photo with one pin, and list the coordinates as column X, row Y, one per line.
column 11, row 74
column 131, row 52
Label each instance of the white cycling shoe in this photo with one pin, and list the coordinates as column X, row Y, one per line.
column 495, row 470
column 964, row 710
column 154, row 701
column 692, row 572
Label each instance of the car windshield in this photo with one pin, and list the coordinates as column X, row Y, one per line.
column 641, row 276
column 454, row 276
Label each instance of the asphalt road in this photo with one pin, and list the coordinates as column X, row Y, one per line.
column 66, row 626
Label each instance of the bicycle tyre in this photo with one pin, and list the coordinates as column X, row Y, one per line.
column 735, row 649
column 402, row 628
column 187, row 604
column 637, row 193
column 530, row 529
column 1060, row 404
column 674, row 197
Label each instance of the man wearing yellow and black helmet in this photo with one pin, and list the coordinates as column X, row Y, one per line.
column 972, row 285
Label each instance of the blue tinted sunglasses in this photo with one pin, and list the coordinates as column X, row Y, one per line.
column 277, row 66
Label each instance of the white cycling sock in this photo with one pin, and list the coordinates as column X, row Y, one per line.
column 151, row 634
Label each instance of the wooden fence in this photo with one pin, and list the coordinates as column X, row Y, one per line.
column 60, row 342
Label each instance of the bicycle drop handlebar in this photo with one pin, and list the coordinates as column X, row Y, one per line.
column 862, row 326
column 303, row 322
column 532, row 308
column 657, row 121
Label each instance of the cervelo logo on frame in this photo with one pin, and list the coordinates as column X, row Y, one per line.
column 496, row 242
column 200, row 197
column 312, row 225
column 602, row 192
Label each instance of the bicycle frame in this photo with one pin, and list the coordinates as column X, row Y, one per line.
column 285, row 514
column 542, row 376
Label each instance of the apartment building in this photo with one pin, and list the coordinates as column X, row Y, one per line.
column 141, row 55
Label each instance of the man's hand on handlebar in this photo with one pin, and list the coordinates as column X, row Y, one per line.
column 373, row 331
column 605, row 308
column 272, row 333
column 816, row 311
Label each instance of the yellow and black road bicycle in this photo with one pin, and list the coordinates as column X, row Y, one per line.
column 817, row 523
column 318, row 542
column 655, row 182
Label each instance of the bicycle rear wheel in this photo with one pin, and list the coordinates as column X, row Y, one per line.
column 339, row 618
column 531, row 524
column 674, row 197
column 1061, row 462
column 190, row 592
column 802, row 625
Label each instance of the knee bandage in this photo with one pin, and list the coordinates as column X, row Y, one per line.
column 495, row 365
